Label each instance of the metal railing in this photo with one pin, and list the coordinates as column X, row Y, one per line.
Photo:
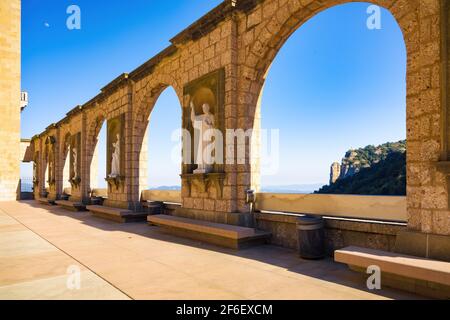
column 26, row 184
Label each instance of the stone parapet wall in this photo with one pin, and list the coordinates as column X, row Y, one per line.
column 339, row 233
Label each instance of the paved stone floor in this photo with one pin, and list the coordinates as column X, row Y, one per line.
column 39, row 245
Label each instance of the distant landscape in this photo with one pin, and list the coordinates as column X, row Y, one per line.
column 172, row 188
column 372, row 170
column 294, row 188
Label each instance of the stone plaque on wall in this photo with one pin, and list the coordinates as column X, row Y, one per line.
column 207, row 90
column 115, row 168
column 75, row 159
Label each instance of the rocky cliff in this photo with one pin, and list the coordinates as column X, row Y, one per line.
column 375, row 170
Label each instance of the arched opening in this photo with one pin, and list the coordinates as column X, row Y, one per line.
column 336, row 90
column 66, row 165
column 26, row 179
column 98, row 185
column 46, row 176
column 160, row 154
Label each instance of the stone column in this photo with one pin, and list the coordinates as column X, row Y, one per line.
column 42, row 167
column 428, row 164
column 122, row 192
column 59, row 165
column 85, row 167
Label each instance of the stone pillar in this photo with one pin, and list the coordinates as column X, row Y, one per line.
column 255, row 148
column 53, row 166
column 42, row 167
column 59, row 164
column 143, row 163
column 10, row 51
column 428, row 163
column 37, row 168
column 84, row 185
column 122, row 191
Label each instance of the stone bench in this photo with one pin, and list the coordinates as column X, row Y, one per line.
column 71, row 205
column 171, row 207
column 46, row 201
column 153, row 207
column 418, row 275
column 116, row 214
column 224, row 235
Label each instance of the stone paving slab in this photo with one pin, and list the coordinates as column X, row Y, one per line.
column 32, row 268
column 141, row 262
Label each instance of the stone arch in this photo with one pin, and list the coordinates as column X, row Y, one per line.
column 289, row 17
column 419, row 22
column 65, row 163
column 93, row 128
column 272, row 34
column 149, row 95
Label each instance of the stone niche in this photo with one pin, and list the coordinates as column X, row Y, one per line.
column 75, row 161
column 209, row 90
column 50, row 144
column 115, row 163
column 205, row 193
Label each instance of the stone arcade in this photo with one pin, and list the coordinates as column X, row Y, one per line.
column 221, row 61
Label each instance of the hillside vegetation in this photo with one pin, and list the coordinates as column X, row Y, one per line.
column 372, row 170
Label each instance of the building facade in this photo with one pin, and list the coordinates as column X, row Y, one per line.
column 10, row 98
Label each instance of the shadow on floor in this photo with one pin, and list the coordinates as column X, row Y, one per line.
column 326, row 270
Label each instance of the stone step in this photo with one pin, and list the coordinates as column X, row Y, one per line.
column 116, row 214
column 46, row 201
column 418, row 275
column 224, row 235
column 71, row 205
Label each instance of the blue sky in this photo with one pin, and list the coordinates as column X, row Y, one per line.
column 334, row 85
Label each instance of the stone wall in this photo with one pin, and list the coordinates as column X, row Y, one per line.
column 9, row 99
column 339, row 233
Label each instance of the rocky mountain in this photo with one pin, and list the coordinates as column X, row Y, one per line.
column 373, row 170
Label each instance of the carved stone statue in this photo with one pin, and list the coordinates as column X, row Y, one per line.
column 75, row 162
column 202, row 123
column 115, row 159
column 50, row 168
column 35, row 172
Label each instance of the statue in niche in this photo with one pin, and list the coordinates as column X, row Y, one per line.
column 35, row 172
column 75, row 162
column 50, row 169
column 202, row 123
column 115, row 159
